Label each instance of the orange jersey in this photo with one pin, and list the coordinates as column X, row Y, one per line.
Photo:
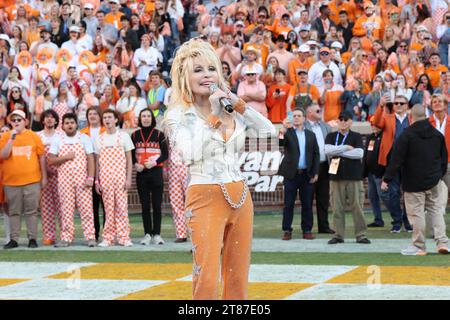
column 295, row 66
column 335, row 9
column 114, row 19
column 435, row 74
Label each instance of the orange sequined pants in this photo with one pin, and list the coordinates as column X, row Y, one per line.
column 221, row 237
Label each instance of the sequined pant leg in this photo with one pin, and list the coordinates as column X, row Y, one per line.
column 218, row 231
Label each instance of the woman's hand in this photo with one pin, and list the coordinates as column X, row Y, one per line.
column 139, row 167
column 214, row 99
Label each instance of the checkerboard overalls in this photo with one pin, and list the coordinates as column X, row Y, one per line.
column 177, row 191
column 61, row 109
column 112, row 176
column 50, row 208
column 72, row 190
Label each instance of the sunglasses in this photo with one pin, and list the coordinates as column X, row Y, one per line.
column 403, row 46
column 262, row 16
column 364, row 55
column 344, row 119
column 15, row 91
column 16, row 120
column 400, row 103
column 251, row 74
column 324, row 53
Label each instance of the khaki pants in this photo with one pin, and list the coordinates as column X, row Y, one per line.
column 434, row 202
column 353, row 191
column 446, row 178
column 221, row 239
column 23, row 200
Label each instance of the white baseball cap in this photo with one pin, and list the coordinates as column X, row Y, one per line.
column 89, row 6
column 74, row 29
column 303, row 48
column 336, row 44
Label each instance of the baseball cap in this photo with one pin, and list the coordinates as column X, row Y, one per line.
column 114, row 1
column 325, row 49
column 336, row 44
column 304, row 28
column 368, row 4
column 312, row 43
column 74, row 29
column 345, row 115
column 19, row 113
column 89, row 6
column 303, row 48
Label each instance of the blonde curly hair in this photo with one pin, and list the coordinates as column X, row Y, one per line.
column 183, row 66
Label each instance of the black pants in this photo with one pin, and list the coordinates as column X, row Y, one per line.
column 151, row 182
column 97, row 200
column 299, row 184
column 322, row 194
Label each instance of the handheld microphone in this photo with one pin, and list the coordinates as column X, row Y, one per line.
column 224, row 102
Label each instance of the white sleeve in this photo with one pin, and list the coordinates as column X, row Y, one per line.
column 258, row 126
column 311, row 74
column 126, row 142
column 54, row 147
column 160, row 44
column 123, row 104
column 87, row 143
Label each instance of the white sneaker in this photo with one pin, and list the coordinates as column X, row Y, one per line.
column 156, row 239
column 128, row 244
column 146, row 240
column 413, row 251
column 103, row 244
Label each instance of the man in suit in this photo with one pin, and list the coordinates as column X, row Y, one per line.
column 323, row 23
column 300, row 167
column 321, row 129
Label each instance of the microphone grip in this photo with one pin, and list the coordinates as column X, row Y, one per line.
column 226, row 104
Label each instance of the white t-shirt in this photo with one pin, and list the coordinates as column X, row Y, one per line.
column 109, row 140
column 94, row 133
column 48, row 140
column 79, row 137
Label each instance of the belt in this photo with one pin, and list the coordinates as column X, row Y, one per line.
column 300, row 171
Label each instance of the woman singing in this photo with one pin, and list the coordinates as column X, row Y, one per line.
column 219, row 209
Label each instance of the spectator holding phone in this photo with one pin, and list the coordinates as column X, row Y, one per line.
column 277, row 95
column 330, row 94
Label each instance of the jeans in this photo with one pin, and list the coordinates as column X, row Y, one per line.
column 374, row 186
column 300, row 183
column 391, row 199
column 443, row 53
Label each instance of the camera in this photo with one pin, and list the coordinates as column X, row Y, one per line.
column 277, row 91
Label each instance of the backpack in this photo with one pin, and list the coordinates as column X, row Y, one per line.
column 302, row 100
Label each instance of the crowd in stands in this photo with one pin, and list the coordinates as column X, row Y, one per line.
column 75, row 56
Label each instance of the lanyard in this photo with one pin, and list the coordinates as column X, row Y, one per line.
column 149, row 136
column 343, row 140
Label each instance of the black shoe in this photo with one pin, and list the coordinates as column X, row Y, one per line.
column 329, row 231
column 375, row 225
column 32, row 244
column 11, row 245
column 335, row 240
column 363, row 241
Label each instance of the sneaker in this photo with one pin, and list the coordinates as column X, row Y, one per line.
column 287, row 235
column 128, row 244
column 48, row 242
column 11, row 245
column 146, row 240
column 443, row 249
column 335, row 241
column 156, row 239
column 308, row 236
column 91, row 243
column 32, row 244
column 375, row 225
column 103, row 244
column 413, row 251
column 363, row 241
column 409, row 230
column 396, row 229
column 180, row 240
column 62, row 244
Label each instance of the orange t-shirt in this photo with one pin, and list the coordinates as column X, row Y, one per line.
column 335, row 9
column 332, row 106
column 298, row 89
column 114, row 19
column 435, row 74
column 277, row 107
column 2, row 194
column 294, row 66
column 87, row 130
column 22, row 167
